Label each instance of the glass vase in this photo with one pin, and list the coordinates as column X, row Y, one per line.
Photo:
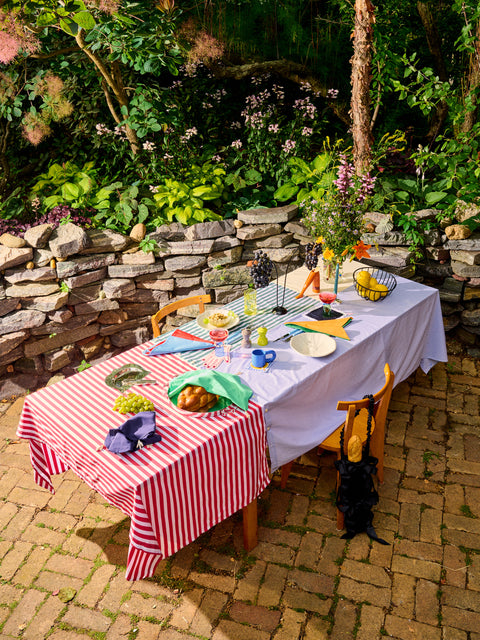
column 332, row 273
column 250, row 302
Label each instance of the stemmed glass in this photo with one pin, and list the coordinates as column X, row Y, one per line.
column 327, row 298
column 218, row 336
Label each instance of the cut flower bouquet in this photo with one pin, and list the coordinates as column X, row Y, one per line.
column 336, row 219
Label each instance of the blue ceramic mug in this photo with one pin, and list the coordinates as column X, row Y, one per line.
column 260, row 358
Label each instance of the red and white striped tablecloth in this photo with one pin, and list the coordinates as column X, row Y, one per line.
column 203, row 470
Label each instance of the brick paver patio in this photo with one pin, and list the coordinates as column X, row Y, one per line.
column 63, row 556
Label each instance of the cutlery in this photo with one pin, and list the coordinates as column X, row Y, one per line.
column 285, row 335
column 288, row 336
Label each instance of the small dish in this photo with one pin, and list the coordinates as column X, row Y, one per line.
column 126, row 376
column 203, row 323
column 314, row 345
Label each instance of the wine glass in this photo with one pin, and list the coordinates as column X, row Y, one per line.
column 218, row 336
column 327, row 298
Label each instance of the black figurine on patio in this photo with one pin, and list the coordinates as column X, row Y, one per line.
column 356, row 495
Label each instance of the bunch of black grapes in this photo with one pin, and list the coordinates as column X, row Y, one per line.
column 312, row 251
column 261, row 269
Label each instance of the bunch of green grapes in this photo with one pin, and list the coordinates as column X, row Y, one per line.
column 132, row 403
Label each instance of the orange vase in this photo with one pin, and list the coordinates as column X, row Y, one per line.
column 316, row 282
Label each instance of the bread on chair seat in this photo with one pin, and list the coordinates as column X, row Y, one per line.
column 195, row 398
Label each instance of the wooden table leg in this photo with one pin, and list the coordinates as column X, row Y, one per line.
column 250, row 525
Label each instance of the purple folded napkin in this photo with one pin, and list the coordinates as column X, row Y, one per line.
column 173, row 345
column 133, row 434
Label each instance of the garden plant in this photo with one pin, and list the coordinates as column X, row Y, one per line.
column 118, row 112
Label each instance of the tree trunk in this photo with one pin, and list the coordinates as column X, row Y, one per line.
column 473, row 83
column 112, row 84
column 434, row 44
column 361, row 79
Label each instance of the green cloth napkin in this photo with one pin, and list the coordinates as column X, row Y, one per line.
column 227, row 386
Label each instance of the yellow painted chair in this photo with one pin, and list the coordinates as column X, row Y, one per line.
column 201, row 300
column 356, row 424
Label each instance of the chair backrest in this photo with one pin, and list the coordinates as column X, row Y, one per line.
column 201, row 300
column 381, row 400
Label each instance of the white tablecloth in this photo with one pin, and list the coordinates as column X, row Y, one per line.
column 299, row 394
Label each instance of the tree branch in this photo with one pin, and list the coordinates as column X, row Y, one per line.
column 53, row 54
column 292, row 71
column 108, row 98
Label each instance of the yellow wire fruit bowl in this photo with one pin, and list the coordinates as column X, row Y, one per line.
column 373, row 284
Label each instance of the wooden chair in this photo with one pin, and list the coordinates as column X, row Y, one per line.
column 356, row 424
column 178, row 304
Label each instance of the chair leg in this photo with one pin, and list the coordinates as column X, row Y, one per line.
column 286, row 468
column 340, row 520
column 250, row 525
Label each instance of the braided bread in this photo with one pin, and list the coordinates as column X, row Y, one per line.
column 194, row 398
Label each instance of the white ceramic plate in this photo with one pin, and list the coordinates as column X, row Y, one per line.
column 315, row 345
column 202, row 319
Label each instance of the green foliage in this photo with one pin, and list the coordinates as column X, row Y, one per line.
column 140, row 36
column 307, row 179
column 406, row 194
column 127, row 206
column 454, row 160
column 148, row 244
column 68, row 184
column 184, row 201
column 11, row 95
column 466, row 511
column 13, row 206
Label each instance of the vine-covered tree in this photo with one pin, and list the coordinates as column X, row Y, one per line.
column 115, row 37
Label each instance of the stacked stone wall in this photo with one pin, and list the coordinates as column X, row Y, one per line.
column 71, row 296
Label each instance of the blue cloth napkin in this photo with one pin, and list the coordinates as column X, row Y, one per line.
column 133, row 434
column 173, row 344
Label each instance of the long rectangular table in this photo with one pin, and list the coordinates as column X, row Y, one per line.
column 299, row 395
column 205, row 469
column 202, row 471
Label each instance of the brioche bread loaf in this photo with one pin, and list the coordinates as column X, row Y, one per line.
column 194, row 398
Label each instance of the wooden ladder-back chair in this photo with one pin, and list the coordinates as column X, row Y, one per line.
column 178, row 304
column 356, row 424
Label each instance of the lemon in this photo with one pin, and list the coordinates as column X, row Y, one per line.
column 383, row 290
column 372, row 283
column 363, row 278
column 374, row 295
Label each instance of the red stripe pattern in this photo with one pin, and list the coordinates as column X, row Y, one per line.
column 204, row 469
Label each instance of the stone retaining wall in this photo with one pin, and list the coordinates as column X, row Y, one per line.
column 70, row 296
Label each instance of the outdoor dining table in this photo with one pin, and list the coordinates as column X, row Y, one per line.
column 207, row 468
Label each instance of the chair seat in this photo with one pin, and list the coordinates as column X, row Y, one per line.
column 332, row 443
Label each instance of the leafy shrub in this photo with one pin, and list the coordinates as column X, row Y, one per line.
column 185, row 201
column 68, row 184
column 127, row 206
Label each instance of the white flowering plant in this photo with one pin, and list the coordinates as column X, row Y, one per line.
column 272, row 132
column 337, row 217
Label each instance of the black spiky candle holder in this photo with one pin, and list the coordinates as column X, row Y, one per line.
column 280, row 309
